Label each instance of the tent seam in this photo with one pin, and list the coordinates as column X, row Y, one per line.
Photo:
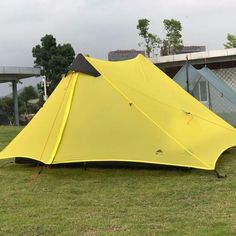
column 149, row 118
column 52, row 126
column 177, row 108
column 65, row 118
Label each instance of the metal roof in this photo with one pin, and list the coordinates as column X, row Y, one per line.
column 11, row 73
column 223, row 55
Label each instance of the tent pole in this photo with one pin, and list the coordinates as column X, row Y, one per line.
column 187, row 79
column 209, row 95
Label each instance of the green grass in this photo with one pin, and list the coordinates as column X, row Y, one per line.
column 116, row 201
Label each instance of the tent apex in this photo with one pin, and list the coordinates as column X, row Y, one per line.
column 80, row 64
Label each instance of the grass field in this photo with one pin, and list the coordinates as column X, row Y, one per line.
column 116, row 201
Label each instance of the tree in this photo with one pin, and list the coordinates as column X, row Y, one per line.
column 164, row 48
column 231, row 41
column 27, row 94
column 173, row 43
column 7, row 106
column 151, row 41
column 54, row 59
column 155, row 43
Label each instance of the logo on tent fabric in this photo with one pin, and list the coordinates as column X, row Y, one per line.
column 159, row 152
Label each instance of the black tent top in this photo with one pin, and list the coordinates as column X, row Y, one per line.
column 80, row 64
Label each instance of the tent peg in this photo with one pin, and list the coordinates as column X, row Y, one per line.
column 219, row 176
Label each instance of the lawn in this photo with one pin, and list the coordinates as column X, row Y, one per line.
column 116, row 201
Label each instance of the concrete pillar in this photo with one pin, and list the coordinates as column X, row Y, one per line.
column 15, row 99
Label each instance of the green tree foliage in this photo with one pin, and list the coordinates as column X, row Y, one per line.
column 164, row 48
column 173, row 43
column 27, row 94
column 7, row 106
column 54, row 59
column 231, row 41
column 151, row 41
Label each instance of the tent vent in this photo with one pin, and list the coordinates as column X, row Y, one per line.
column 80, row 64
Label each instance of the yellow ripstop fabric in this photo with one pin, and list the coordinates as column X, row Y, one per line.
column 182, row 117
column 103, row 126
column 132, row 112
column 38, row 139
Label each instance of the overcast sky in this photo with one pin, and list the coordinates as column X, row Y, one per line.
column 96, row 27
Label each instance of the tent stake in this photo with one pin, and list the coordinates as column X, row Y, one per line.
column 219, row 176
column 35, row 177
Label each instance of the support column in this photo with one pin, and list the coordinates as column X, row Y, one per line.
column 15, row 99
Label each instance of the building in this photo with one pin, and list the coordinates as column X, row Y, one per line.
column 121, row 55
column 191, row 49
column 221, row 62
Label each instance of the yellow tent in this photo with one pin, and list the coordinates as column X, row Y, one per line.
column 122, row 111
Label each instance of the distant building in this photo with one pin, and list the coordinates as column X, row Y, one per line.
column 191, row 49
column 121, row 55
column 221, row 62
